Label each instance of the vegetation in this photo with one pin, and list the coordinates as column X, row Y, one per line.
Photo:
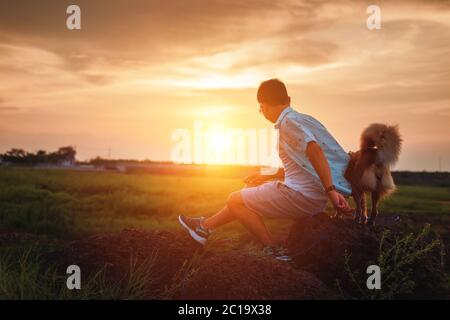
column 408, row 265
column 46, row 208
column 22, row 157
column 24, row 274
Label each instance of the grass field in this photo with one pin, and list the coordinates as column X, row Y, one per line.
column 61, row 205
column 71, row 204
column 64, row 203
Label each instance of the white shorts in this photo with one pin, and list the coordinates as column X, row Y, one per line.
column 276, row 200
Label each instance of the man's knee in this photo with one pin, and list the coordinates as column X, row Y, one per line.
column 235, row 199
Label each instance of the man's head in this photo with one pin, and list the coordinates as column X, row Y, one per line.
column 273, row 99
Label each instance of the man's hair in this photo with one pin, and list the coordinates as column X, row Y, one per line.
column 272, row 92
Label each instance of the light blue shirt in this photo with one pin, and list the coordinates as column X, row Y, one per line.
column 296, row 130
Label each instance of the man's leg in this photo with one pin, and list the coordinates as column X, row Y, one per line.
column 220, row 218
column 236, row 209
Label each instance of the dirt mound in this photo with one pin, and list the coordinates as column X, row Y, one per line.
column 338, row 249
column 319, row 244
column 191, row 272
column 182, row 269
column 239, row 275
column 117, row 252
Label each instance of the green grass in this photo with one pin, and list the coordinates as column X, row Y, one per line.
column 415, row 199
column 71, row 204
column 64, row 203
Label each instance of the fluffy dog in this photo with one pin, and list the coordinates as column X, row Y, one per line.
column 369, row 168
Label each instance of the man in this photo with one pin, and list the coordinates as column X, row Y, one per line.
column 313, row 167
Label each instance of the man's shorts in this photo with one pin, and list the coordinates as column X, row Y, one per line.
column 276, row 200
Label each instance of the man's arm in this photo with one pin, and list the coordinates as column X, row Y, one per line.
column 280, row 174
column 257, row 178
column 320, row 163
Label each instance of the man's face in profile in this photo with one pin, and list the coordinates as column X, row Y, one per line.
column 271, row 112
column 265, row 109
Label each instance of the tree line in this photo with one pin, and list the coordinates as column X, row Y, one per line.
column 20, row 156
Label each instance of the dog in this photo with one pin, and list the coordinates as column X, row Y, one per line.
column 369, row 168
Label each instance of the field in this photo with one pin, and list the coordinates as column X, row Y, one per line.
column 49, row 218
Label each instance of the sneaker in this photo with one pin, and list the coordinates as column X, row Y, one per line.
column 278, row 253
column 195, row 229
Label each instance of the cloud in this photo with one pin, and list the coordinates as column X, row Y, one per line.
column 8, row 108
column 4, row 107
column 149, row 31
column 136, row 65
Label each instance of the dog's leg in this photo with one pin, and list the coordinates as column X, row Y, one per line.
column 357, row 197
column 374, row 210
column 336, row 214
column 363, row 208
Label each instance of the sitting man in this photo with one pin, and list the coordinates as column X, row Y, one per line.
column 313, row 167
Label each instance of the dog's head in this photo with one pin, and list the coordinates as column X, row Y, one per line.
column 386, row 139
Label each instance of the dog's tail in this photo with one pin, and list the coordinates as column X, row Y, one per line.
column 386, row 139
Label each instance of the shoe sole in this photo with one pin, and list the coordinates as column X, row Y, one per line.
column 192, row 233
column 284, row 258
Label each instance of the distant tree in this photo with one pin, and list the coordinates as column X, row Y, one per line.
column 65, row 154
column 41, row 156
column 20, row 156
column 15, row 155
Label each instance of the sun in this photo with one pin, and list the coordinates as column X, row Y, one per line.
column 219, row 144
column 221, row 141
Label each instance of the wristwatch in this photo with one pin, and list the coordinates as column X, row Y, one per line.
column 330, row 188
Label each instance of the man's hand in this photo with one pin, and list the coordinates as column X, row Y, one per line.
column 339, row 202
column 256, row 179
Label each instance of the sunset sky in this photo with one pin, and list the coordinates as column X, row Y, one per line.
column 138, row 70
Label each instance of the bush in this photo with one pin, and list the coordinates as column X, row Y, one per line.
column 411, row 266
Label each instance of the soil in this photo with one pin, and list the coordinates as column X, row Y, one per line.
column 239, row 275
column 236, row 274
column 319, row 245
column 183, row 269
column 325, row 246
column 116, row 252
